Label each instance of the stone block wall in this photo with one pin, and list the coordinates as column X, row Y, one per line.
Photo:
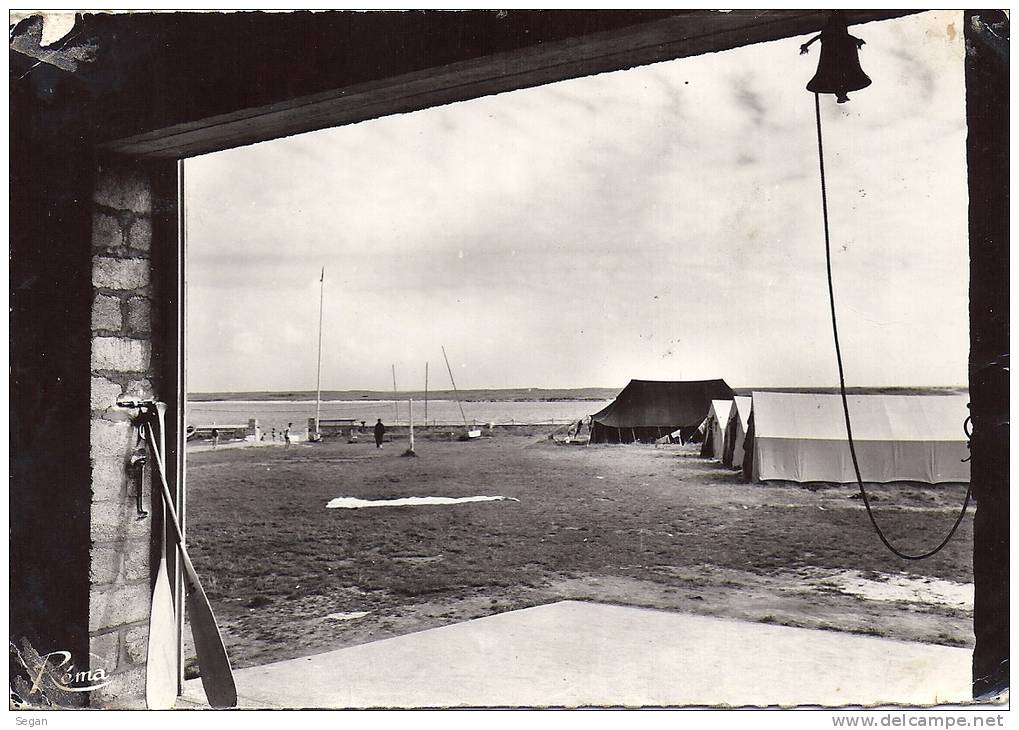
column 229, row 432
column 336, row 426
column 124, row 304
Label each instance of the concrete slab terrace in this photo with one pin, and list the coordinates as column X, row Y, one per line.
column 576, row 654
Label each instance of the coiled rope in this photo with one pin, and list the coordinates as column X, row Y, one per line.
column 842, row 376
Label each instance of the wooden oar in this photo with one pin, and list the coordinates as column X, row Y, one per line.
column 161, row 659
column 217, row 676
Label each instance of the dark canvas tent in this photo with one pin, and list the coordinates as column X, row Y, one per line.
column 647, row 410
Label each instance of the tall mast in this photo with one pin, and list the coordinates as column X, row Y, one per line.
column 426, row 392
column 318, row 375
column 455, row 392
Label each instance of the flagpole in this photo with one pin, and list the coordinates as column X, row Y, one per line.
column 396, row 402
column 318, row 375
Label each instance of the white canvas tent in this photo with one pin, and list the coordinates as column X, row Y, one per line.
column 736, row 431
column 801, row 437
column 714, row 425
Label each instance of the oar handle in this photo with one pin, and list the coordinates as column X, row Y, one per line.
column 189, row 568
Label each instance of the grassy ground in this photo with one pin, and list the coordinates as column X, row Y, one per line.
column 626, row 524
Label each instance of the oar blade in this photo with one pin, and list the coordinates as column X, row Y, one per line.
column 161, row 658
column 213, row 662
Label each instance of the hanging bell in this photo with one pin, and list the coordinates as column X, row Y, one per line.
column 838, row 70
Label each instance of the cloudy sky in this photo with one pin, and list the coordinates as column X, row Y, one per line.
column 662, row 222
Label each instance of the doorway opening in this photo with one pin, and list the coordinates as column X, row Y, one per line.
column 657, row 223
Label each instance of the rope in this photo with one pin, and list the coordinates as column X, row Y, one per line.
column 842, row 376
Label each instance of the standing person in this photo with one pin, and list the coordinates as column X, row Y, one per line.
column 380, row 431
column 273, row 433
column 215, row 437
column 286, row 436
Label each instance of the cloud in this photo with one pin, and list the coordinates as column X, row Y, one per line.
column 530, row 231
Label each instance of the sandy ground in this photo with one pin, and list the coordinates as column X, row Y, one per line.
column 635, row 525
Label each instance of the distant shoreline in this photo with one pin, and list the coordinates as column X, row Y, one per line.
column 534, row 394
column 479, row 394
